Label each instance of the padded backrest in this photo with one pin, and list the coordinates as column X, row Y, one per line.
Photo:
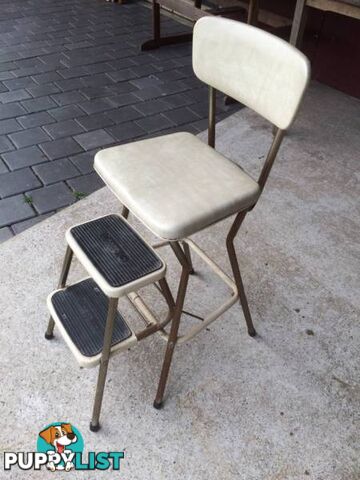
column 254, row 67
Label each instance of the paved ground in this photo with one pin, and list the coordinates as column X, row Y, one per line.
column 282, row 406
column 73, row 80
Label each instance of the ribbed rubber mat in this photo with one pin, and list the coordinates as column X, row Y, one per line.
column 82, row 309
column 116, row 251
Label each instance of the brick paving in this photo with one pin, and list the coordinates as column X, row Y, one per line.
column 72, row 81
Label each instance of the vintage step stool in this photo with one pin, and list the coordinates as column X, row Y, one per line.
column 177, row 186
column 119, row 262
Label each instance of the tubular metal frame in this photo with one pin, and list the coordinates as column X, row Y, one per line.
column 49, row 334
column 184, row 258
column 182, row 250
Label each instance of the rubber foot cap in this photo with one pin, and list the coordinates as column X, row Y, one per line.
column 158, row 405
column 49, row 336
column 94, row 428
column 252, row 333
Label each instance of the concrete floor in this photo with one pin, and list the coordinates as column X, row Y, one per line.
column 284, row 405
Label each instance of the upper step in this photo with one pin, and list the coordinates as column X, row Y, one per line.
column 115, row 255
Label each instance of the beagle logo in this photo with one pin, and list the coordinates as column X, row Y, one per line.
column 60, row 442
column 60, row 447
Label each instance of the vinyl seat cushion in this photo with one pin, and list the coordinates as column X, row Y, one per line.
column 176, row 184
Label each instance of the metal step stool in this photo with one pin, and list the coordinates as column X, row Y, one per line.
column 119, row 263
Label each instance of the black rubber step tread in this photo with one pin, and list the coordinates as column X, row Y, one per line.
column 82, row 309
column 115, row 250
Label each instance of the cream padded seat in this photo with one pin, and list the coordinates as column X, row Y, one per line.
column 176, row 184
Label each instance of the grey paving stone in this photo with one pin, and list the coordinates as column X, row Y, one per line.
column 14, row 96
column 17, row 83
column 3, row 167
column 14, row 209
column 106, row 66
column 96, row 92
column 84, row 162
column 17, row 182
column 200, row 125
column 63, row 147
column 98, row 105
column 43, row 90
column 35, row 119
column 145, row 82
column 55, row 171
column 125, row 99
column 5, row 234
column 70, row 84
column 54, row 59
column 24, row 158
column 124, row 114
column 38, row 104
column 6, row 75
column 180, row 100
column 31, row 136
column 51, row 198
column 152, row 107
column 67, row 98
column 178, row 86
column 94, row 139
column 21, row 226
column 182, row 115
column 9, row 126
column 144, row 70
column 73, row 72
column 126, row 131
column 201, row 109
column 86, row 184
column 155, row 123
column 11, row 110
column 122, row 75
column 28, row 62
column 149, row 93
column 93, row 122
column 5, row 144
column 48, row 77
column 64, row 113
column 169, row 75
column 98, row 80
column 62, row 129
column 3, row 88
column 6, row 67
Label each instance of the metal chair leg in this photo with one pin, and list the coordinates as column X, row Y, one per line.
column 94, row 424
column 49, row 334
column 125, row 212
column 236, row 271
column 174, row 324
column 187, row 252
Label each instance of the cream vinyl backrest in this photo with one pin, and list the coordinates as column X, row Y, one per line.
column 254, row 67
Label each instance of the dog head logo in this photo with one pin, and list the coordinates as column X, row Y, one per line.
column 59, row 436
column 60, row 441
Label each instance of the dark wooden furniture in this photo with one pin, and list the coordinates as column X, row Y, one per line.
column 192, row 11
column 350, row 8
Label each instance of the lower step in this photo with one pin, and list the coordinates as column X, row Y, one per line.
column 80, row 312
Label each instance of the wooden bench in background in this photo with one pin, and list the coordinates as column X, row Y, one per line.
column 349, row 8
column 192, row 10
